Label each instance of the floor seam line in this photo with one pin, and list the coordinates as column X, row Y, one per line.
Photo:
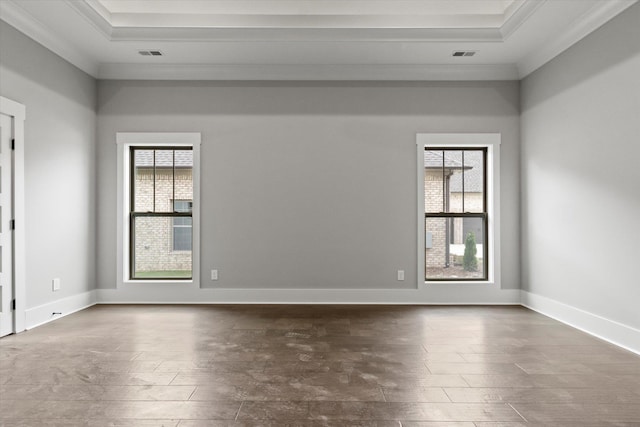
column 238, row 413
column 518, row 412
column 193, row 392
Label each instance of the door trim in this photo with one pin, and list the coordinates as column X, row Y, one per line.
column 17, row 111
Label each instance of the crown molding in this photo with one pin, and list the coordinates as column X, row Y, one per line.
column 14, row 15
column 95, row 14
column 308, row 72
column 302, row 20
column 519, row 17
column 308, row 34
column 282, row 29
column 587, row 23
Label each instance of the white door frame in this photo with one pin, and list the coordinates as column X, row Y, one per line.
column 17, row 112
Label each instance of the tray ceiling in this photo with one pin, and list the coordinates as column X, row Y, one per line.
column 309, row 39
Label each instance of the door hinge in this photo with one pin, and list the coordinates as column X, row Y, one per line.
column 13, row 305
column 13, row 144
column 12, row 224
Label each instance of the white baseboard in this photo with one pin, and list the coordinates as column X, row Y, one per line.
column 307, row 296
column 42, row 314
column 609, row 330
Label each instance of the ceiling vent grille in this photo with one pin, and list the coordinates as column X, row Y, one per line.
column 150, row 53
column 464, row 53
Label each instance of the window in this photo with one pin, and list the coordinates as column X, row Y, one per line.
column 458, row 208
column 161, row 217
column 158, row 224
column 455, row 213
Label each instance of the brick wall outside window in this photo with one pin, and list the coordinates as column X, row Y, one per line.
column 154, row 236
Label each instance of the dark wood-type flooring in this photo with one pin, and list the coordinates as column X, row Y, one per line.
column 311, row 366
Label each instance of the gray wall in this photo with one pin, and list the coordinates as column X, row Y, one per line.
column 581, row 174
column 308, row 185
column 59, row 165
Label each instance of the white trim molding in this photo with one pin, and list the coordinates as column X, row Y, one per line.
column 467, row 140
column 192, row 295
column 95, row 13
column 521, row 11
column 53, row 310
column 124, row 140
column 17, row 17
column 18, row 112
column 609, row 330
column 595, row 17
column 309, row 72
column 263, row 27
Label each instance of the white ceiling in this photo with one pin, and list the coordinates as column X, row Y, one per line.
column 309, row 39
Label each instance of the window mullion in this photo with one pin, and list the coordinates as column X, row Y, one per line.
column 154, row 180
column 462, row 180
column 173, row 181
column 444, row 194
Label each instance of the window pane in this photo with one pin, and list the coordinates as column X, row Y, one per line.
column 155, row 192
column 474, row 181
column 164, row 180
column 453, row 173
column 449, row 248
column 454, row 181
column 443, row 180
column 154, row 256
column 433, row 184
column 182, row 234
column 143, row 181
column 183, row 180
column 182, row 206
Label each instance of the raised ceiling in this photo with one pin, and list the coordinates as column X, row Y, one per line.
column 307, row 13
column 309, row 7
column 309, row 39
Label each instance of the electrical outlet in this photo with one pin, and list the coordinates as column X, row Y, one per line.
column 400, row 275
column 214, row 274
column 55, row 283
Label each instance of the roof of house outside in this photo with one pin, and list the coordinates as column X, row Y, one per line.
column 473, row 165
column 472, row 177
column 164, row 158
column 433, row 160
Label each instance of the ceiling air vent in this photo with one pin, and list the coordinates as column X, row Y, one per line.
column 464, row 53
column 150, row 53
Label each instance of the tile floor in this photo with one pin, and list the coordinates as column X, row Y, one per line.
column 312, row 366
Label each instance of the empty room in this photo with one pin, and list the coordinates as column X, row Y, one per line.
column 368, row 213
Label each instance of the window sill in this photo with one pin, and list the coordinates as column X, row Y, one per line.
column 158, row 282
column 460, row 282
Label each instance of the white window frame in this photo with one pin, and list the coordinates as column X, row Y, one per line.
column 125, row 140
column 464, row 140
